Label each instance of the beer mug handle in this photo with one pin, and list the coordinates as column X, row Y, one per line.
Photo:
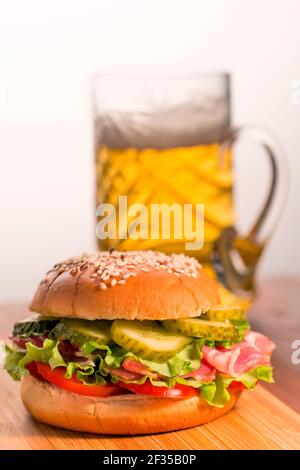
column 235, row 256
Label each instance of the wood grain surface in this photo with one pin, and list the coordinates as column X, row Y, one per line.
column 259, row 421
column 276, row 313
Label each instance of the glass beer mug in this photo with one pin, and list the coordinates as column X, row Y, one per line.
column 169, row 140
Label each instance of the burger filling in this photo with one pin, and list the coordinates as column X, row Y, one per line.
column 211, row 355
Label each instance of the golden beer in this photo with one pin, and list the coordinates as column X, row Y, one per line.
column 197, row 174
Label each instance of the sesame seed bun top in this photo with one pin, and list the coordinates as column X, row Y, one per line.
column 143, row 285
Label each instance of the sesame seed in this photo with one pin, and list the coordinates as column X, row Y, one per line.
column 115, row 267
column 83, row 266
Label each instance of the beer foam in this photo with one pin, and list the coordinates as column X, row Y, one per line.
column 200, row 123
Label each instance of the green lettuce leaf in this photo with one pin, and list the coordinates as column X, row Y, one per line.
column 264, row 373
column 209, row 391
column 11, row 361
column 217, row 394
column 190, row 381
column 241, row 326
column 248, row 379
column 16, row 361
column 224, row 344
column 85, row 373
column 56, row 359
column 34, row 353
column 89, row 373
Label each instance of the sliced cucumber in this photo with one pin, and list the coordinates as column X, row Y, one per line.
column 147, row 339
column 223, row 313
column 82, row 331
column 218, row 331
column 34, row 326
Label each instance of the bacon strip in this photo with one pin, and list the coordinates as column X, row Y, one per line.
column 131, row 365
column 123, row 374
column 254, row 351
column 260, row 342
column 206, row 373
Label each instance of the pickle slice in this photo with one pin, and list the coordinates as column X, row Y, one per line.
column 147, row 339
column 34, row 326
column 221, row 314
column 82, row 331
column 218, row 331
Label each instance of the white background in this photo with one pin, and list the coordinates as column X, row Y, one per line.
column 48, row 51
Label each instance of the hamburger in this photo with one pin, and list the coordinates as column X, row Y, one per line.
column 133, row 343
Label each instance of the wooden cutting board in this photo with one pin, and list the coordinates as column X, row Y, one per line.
column 259, row 421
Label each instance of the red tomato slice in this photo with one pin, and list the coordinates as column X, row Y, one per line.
column 237, row 386
column 32, row 367
column 56, row 377
column 179, row 391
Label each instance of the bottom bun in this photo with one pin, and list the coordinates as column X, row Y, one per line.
column 120, row 414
